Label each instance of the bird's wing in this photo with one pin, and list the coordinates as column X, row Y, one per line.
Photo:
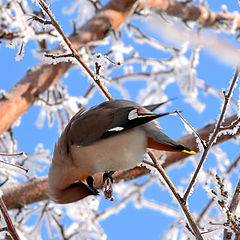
column 89, row 126
column 102, row 122
column 160, row 141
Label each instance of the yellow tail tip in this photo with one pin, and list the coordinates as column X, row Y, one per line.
column 189, row 152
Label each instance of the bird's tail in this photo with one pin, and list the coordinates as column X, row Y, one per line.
column 170, row 146
column 72, row 193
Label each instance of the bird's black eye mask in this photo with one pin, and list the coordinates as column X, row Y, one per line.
column 130, row 118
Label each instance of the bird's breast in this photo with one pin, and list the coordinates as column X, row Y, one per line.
column 122, row 151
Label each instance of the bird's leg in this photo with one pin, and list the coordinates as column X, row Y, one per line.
column 107, row 185
column 90, row 181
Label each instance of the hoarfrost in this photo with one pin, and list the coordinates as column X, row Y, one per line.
column 221, row 157
column 84, row 8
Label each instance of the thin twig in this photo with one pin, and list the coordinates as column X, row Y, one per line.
column 68, row 55
column 232, row 210
column 73, row 50
column 12, row 154
column 11, row 229
column 12, row 164
column 61, row 227
column 231, row 126
column 192, row 128
column 116, row 208
column 177, row 196
column 149, row 163
column 214, row 135
column 38, row 222
column 211, row 201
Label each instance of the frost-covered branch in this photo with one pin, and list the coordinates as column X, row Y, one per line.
column 232, row 218
column 10, row 227
column 214, row 135
column 74, row 52
column 209, row 204
column 180, row 200
column 222, row 21
column 25, row 193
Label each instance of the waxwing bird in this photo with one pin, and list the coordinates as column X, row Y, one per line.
column 109, row 137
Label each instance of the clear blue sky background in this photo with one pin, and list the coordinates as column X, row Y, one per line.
column 130, row 223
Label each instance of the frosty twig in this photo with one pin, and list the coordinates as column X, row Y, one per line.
column 73, row 50
column 180, row 200
column 214, row 134
column 13, row 155
column 10, row 228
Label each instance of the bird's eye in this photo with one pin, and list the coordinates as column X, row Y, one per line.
column 133, row 114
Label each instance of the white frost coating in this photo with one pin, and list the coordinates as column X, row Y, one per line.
column 128, row 69
column 186, row 126
column 84, row 209
column 12, row 44
column 230, row 131
column 118, row 50
column 153, row 170
column 197, row 139
column 166, row 210
column 41, row 117
column 238, row 103
column 102, row 64
column 218, row 196
column 122, row 190
column 221, row 157
column 84, row 9
column 59, row 58
column 4, row 235
column 11, row 169
column 55, row 100
column 86, row 223
column 38, row 161
column 20, row 54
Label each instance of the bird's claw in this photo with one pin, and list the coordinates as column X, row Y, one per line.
column 107, row 185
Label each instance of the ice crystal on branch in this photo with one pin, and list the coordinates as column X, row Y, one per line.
column 57, row 104
column 38, row 161
column 85, row 10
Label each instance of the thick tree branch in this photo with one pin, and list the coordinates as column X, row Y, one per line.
column 35, row 190
column 187, row 12
column 25, row 193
